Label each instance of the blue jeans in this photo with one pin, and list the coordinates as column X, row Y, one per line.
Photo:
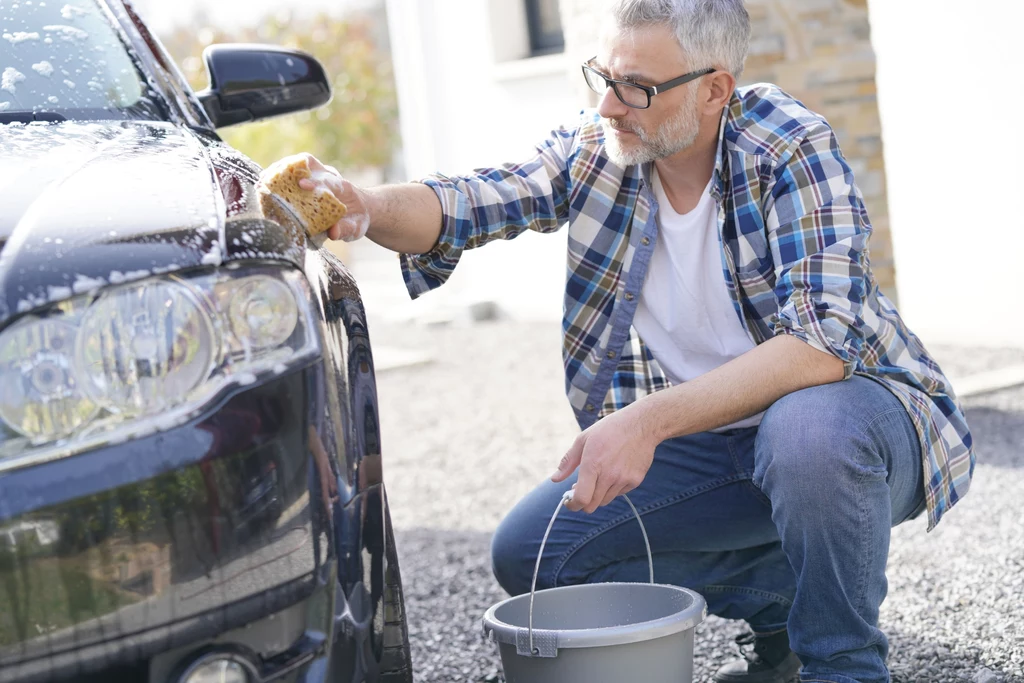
column 785, row 525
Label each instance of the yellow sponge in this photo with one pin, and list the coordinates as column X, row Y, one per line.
column 318, row 210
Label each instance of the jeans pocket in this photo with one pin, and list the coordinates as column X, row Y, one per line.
column 741, row 450
column 740, row 443
column 759, row 494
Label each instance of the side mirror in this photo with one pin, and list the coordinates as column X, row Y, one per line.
column 252, row 82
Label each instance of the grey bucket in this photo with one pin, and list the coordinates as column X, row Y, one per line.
column 597, row 633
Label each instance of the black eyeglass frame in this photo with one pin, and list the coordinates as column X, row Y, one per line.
column 651, row 90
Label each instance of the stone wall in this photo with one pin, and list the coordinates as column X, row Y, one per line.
column 820, row 52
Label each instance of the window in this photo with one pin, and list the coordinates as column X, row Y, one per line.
column 68, row 61
column 545, row 24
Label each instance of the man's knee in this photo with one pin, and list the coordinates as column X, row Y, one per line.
column 817, row 440
column 793, row 435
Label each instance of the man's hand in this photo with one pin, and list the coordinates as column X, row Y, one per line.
column 613, row 456
column 405, row 218
column 357, row 220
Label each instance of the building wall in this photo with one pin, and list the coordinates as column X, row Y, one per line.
column 470, row 97
column 820, row 52
column 949, row 89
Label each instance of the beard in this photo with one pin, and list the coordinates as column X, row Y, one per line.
column 672, row 137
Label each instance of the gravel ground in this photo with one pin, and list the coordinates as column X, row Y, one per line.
column 469, row 433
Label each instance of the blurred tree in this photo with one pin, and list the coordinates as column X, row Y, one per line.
column 357, row 130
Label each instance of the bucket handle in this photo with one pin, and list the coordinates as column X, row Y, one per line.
column 535, row 652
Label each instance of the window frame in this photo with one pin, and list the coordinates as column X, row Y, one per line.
column 541, row 41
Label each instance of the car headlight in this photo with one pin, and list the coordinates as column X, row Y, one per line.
column 147, row 355
column 40, row 394
column 262, row 312
column 144, row 347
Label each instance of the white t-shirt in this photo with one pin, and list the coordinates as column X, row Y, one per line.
column 685, row 315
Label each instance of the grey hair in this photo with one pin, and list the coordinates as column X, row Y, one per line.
column 710, row 32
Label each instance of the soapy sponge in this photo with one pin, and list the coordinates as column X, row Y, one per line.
column 317, row 210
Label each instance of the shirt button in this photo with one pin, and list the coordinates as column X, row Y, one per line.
column 589, row 407
column 645, row 241
column 610, row 354
column 629, row 296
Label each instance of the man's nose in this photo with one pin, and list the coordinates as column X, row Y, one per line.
column 610, row 106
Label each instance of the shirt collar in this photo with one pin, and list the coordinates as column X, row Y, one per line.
column 718, row 177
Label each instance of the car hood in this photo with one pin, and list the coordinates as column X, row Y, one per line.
column 87, row 204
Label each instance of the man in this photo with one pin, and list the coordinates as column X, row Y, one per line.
column 728, row 354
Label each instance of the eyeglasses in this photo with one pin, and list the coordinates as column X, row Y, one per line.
column 634, row 94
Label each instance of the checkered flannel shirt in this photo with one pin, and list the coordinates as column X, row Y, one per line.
column 794, row 233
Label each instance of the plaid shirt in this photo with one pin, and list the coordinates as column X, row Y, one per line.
column 794, row 234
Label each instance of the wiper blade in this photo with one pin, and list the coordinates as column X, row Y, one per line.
column 30, row 117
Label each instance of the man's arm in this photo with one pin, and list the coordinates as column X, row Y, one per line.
column 434, row 220
column 404, row 218
column 620, row 448
column 744, row 386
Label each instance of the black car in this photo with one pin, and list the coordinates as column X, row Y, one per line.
column 190, row 460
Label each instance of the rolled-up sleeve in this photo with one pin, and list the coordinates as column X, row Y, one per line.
column 818, row 232
column 491, row 204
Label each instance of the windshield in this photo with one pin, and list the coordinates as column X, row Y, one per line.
column 66, row 60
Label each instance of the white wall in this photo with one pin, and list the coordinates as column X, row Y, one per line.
column 950, row 93
column 467, row 100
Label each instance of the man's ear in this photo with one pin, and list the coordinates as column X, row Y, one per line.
column 720, row 85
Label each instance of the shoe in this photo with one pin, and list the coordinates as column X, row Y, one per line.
column 770, row 662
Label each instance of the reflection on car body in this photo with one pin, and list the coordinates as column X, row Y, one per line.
column 190, row 474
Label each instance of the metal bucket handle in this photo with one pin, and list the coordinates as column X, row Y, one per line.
column 534, row 652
